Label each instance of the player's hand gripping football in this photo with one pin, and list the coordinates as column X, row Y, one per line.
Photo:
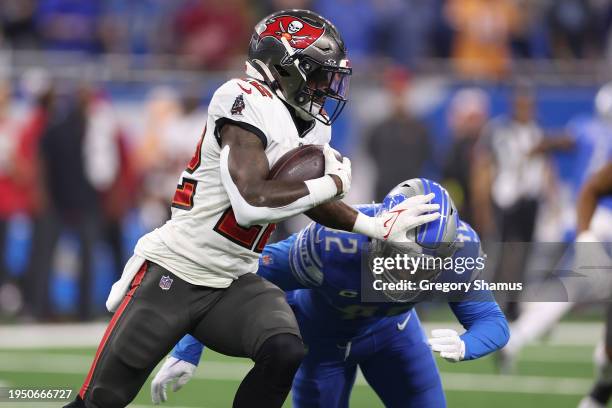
column 448, row 343
column 335, row 167
column 175, row 370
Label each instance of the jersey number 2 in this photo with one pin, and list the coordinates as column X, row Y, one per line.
column 250, row 238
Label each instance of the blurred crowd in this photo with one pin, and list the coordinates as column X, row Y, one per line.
column 480, row 37
column 71, row 158
column 71, row 163
column 67, row 164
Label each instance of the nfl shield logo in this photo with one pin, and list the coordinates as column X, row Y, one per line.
column 165, row 282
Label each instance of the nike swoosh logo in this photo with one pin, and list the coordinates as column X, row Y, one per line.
column 393, row 218
column 401, row 326
column 248, row 91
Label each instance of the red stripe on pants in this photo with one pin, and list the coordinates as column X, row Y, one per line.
column 109, row 329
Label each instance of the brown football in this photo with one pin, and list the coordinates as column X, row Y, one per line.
column 300, row 164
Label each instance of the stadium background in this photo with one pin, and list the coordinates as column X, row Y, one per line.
column 145, row 71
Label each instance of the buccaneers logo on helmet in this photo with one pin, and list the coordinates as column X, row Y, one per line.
column 298, row 33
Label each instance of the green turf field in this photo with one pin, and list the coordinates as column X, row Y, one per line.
column 547, row 376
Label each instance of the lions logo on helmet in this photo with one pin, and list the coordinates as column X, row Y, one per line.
column 436, row 239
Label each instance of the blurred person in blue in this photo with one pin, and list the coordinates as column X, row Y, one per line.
column 597, row 188
column 320, row 268
column 70, row 25
column 587, row 142
column 399, row 30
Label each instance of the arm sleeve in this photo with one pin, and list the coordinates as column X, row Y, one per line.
column 188, row 349
column 486, row 327
column 320, row 190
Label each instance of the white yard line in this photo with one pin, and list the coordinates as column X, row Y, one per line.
column 518, row 384
column 51, row 335
column 89, row 334
column 215, row 370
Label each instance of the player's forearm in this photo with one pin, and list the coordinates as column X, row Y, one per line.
column 598, row 185
column 587, row 202
column 275, row 200
column 486, row 327
column 334, row 214
column 188, row 349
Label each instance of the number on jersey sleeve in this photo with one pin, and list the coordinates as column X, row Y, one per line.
column 183, row 196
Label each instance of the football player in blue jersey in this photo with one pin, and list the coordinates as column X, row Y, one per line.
column 321, row 270
column 588, row 144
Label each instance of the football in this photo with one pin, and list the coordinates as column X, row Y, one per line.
column 300, row 164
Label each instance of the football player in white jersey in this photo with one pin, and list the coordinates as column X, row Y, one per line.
column 196, row 274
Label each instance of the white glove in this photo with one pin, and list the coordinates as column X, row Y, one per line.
column 342, row 169
column 448, row 343
column 393, row 224
column 172, row 369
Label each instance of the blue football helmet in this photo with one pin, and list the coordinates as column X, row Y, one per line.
column 434, row 240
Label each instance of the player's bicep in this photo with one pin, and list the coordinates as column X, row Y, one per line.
column 247, row 160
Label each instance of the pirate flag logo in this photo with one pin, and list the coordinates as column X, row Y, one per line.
column 298, row 33
column 238, row 105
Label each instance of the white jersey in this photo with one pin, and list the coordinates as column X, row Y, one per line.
column 202, row 242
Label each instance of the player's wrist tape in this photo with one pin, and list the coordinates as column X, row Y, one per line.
column 321, row 189
column 367, row 226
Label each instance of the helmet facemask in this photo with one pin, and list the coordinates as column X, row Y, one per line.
column 324, row 93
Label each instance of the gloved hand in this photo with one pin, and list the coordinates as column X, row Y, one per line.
column 336, row 167
column 395, row 223
column 173, row 369
column 448, row 343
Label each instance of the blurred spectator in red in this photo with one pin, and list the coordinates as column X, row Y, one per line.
column 467, row 114
column 70, row 25
column 18, row 22
column 13, row 199
column 400, row 144
column 212, row 32
column 483, row 29
column 26, row 170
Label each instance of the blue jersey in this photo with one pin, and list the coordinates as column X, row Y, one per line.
column 592, row 150
column 320, row 268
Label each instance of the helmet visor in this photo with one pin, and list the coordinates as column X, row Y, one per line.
column 326, row 91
